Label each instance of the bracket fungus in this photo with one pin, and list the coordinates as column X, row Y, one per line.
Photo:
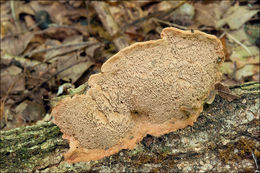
column 153, row 87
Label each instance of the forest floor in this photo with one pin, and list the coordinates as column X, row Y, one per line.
column 48, row 47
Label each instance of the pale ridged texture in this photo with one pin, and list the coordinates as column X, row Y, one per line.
column 152, row 87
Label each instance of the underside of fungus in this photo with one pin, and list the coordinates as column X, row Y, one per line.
column 152, row 87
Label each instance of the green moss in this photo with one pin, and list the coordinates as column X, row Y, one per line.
column 166, row 150
column 23, row 148
column 138, row 149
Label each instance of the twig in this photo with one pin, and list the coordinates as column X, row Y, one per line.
column 256, row 164
column 57, row 47
column 24, row 62
column 169, row 23
column 33, row 77
column 55, row 74
column 50, row 58
column 222, row 35
column 238, row 42
column 17, row 23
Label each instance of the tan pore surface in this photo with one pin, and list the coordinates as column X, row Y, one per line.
column 153, row 87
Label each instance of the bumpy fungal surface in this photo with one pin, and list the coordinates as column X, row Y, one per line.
column 152, row 87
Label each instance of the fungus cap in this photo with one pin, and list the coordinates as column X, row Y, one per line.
column 152, row 87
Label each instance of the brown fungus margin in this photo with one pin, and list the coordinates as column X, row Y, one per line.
column 152, row 87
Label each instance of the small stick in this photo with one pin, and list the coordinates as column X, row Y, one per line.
column 17, row 23
column 57, row 47
column 238, row 42
column 55, row 74
column 169, row 23
column 255, row 160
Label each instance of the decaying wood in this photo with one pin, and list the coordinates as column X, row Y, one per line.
column 224, row 138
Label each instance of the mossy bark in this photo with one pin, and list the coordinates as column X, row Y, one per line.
column 224, row 138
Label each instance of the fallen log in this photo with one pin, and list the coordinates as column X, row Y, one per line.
column 224, row 138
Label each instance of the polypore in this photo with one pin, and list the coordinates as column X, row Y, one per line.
column 152, row 87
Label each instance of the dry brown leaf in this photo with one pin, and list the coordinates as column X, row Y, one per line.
column 256, row 77
column 243, row 57
column 56, row 11
column 24, row 62
column 228, row 81
column 12, row 80
column 242, row 62
column 74, row 41
column 236, row 16
column 183, row 15
column 5, row 12
column 126, row 11
column 108, row 21
column 162, row 6
column 21, row 7
column 228, row 68
column 15, row 45
column 59, row 33
column 134, row 4
column 52, row 47
column 30, row 23
column 225, row 92
column 240, row 35
column 61, row 13
column 28, row 112
column 78, row 65
column 7, row 29
column 247, row 71
column 241, row 52
column 76, row 4
column 209, row 14
column 95, row 51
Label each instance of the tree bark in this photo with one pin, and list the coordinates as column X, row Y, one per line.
column 225, row 138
